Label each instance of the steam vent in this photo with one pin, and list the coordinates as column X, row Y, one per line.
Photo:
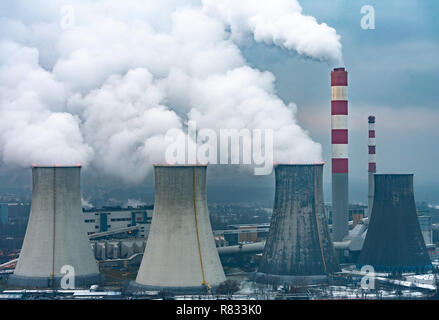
column 394, row 240
column 180, row 254
column 298, row 243
column 55, row 235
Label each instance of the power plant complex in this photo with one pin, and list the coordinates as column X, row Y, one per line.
column 180, row 253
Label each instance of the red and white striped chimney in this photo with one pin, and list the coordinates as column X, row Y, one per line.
column 339, row 140
column 372, row 163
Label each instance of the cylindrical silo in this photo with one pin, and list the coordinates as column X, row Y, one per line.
column 394, row 240
column 298, row 242
column 180, row 254
column 55, row 239
column 339, row 141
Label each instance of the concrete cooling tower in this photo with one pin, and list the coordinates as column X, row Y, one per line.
column 55, row 238
column 298, row 243
column 180, row 254
column 394, row 241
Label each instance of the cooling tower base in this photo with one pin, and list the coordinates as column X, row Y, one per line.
column 135, row 288
column 45, row 282
column 400, row 269
column 264, row 278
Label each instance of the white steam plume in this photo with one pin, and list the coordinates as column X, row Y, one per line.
column 105, row 91
column 278, row 22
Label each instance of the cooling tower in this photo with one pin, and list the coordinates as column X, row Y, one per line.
column 298, row 242
column 339, row 141
column 55, row 235
column 180, row 254
column 394, row 241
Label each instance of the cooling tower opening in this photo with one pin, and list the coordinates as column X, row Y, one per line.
column 55, row 239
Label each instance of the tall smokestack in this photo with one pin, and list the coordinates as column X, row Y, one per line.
column 180, row 254
column 372, row 163
column 55, row 235
column 394, row 241
column 339, row 140
column 298, row 242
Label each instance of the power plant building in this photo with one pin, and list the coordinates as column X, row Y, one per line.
column 113, row 218
column 298, row 242
column 394, row 241
column 181, row 254
column 55, row 236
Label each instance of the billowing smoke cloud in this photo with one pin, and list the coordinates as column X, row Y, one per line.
column 278, row 22
column 103, row 87
column 34, row 128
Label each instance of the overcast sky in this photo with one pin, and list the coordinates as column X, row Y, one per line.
column 55, row 85
column 393, row 74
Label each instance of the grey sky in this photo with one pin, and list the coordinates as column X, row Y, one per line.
column 393, row 74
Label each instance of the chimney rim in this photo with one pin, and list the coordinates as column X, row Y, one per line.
column 300, row 164
column 394, row 174
column 178, row 165
column 55, row 166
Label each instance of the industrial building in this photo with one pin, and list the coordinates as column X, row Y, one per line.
column 298, row 243
column 356, row 213
column 237, row 234
column 55, row 235
column 180, row 255
column 114, row 218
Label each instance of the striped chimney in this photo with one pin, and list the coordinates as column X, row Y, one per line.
column 372, row 163
column 339, row 140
